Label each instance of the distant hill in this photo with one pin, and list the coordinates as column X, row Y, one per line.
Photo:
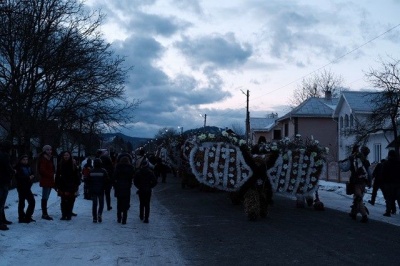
column 135, row 141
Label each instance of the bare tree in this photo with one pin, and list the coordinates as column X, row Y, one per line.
column 316, row 86
column 387, row 103
column 57, row 71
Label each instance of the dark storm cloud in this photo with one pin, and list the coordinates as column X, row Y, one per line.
column 154, row 24
column 219, row 50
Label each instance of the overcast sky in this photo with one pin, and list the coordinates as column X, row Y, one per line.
column 196, row 57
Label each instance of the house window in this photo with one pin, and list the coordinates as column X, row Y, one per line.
column 277, row 134
column 286, row 130
column 351, row 121
column 346, row 121
column 341, row 123
column 377, row 152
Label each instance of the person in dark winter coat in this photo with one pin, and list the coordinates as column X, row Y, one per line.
column 96, row 182
column 6, row 174
column 45, row 170
column 144, row 181
column 24, row 177
column 391, row 181
column 109, row 167
column 123, row 176
column 85, row 174
column 67, row 182
column 377, row 177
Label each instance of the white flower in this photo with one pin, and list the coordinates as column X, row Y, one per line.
column 211, row 181
column 290, row 187
column 283, row 174
column 211, row 154
column 198, row 164
column 242, row 142
column 211, row 136
column 281, row 181
column 231, row 175
column 231, row 169
column 294, row 164
column 232, row 181
column 304, row 165
column 294, row 172
column 285, row 166
column 232, row 159
column 326, row 149
column 259, row 182
column 224, row 133
column 302, row 150
column 313, row 179
column 220, row 174
column 202, row 137
column 209, row 175
column 292, row 181
column 244, row 175
column 298, row 136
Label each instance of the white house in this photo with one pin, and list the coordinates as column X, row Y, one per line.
column 355, row 107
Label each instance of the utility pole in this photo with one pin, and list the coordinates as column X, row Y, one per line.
column 247, row 116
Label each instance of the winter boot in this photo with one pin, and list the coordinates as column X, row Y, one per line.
column 119, row 217
column 3, row 227
column 45, row 215
column 364, row 219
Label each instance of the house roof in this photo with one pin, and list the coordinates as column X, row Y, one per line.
column 261, row 123
column 313, row 107
column 358, row 101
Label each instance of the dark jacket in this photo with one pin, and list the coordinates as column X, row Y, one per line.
column 97, row 179
column 123, row 176
column 109, row 167
column 145, row 179
column 391, row 171
column 67, row 178
column 6, row 170
column 22, row 175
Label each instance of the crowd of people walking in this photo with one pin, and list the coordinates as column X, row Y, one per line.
column 64, row 174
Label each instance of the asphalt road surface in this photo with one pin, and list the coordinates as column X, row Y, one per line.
column 213, row 231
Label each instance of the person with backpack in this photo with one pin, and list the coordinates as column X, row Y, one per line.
column 96, row 181
column 123, row 176
column 144, row 181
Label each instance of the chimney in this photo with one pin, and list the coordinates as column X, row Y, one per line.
column 328, row 95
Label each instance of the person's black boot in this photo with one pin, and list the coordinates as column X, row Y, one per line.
column 364, row 219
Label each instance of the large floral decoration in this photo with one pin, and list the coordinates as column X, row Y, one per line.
column 224, row 136
column 218, row 163
column 298, row 167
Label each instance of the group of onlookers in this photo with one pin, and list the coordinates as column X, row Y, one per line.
column 65, row 176
column 386, row 176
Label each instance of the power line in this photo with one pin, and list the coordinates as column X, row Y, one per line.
column 331, row 62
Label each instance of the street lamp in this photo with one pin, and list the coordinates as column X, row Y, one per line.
column 205, row 119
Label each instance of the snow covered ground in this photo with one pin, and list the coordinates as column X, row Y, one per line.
column 81, row 242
